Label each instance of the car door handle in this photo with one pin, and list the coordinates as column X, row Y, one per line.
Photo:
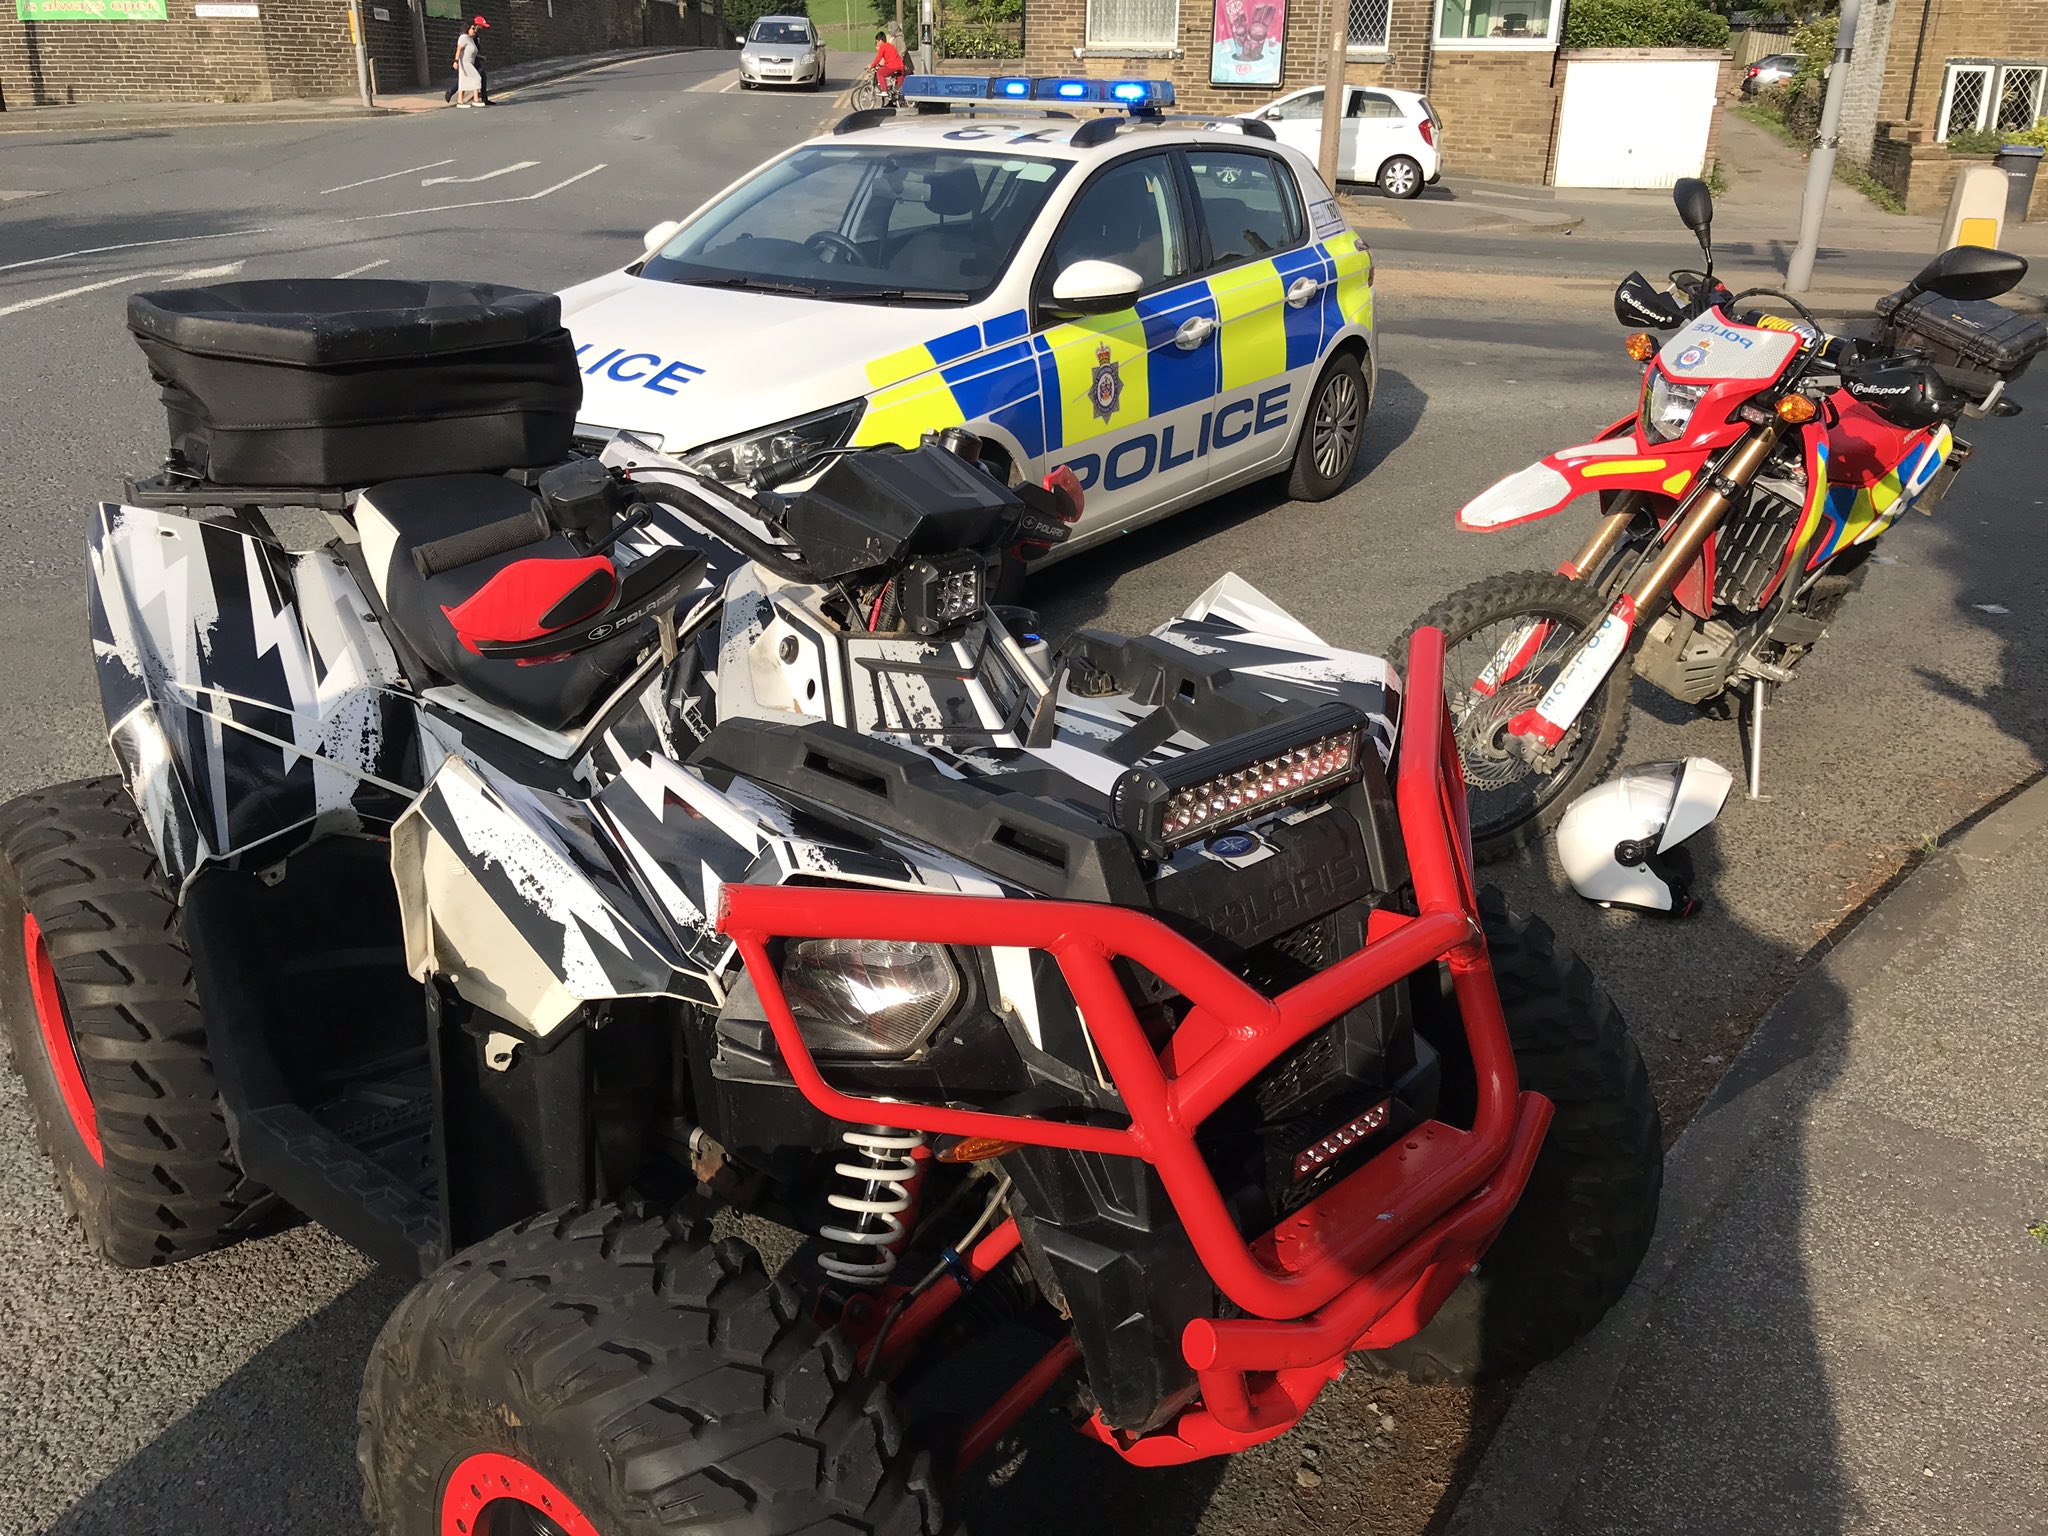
column 1301, row 290
column 1193, row 332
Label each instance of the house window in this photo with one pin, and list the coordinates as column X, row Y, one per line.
column 1133, row 24
column 1497, row 23
column 1368, row 29
column 2002, row 95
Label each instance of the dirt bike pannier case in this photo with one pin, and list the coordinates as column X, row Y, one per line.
column 1958, row 333
column 343, row 382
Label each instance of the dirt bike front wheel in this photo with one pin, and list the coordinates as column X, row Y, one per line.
column 1505, row 640
column 867, row 96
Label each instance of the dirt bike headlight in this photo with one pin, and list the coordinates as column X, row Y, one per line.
column 868, row 997
column 1668, row 411
column 792, row 443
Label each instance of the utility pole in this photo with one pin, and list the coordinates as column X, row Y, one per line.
column 418, row 11
column 355, row 37
column 1333, row 93
column 1820, row 166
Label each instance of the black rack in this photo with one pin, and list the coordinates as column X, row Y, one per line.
column 185, row 493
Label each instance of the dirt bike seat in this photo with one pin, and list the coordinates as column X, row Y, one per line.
column 395, row 517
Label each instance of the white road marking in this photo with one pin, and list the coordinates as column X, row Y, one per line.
column 368, row 266
column 721, row 82
column 389, row 175
column 115, row 282
column 132, row 245
column 486, row 202
column 503, row 170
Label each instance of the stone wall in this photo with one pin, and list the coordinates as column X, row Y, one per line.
column 2003, row 29
column 300, row 48
column 1865, row 83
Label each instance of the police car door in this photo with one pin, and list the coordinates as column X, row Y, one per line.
column 1127, row 393
column 1269, row 284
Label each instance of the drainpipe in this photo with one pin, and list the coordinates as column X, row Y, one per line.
column 417, row 9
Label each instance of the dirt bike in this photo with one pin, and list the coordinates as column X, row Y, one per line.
column 1737, row 504
column 871, row 95
column 569, row 849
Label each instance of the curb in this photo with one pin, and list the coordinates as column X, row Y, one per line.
column 1532, row 1464
column 301, row 112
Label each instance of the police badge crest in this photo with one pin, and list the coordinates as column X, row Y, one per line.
column 1106, row 385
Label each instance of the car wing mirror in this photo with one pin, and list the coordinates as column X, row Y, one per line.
column 1971, row 272
column 660, row 235
column 1637, row 302
column 1095, row 288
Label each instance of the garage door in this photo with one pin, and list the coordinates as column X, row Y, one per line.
column 1634, row 122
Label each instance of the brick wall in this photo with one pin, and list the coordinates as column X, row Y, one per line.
column 1499, row 111
column 1914, row 67
column 1865, row 83
column 296, row 48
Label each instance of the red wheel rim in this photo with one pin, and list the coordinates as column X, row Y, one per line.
column 57, row 1042
column 489, row 1478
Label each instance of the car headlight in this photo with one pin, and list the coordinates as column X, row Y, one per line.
column 789, row 442
column 868, row 997
column 1668, row 411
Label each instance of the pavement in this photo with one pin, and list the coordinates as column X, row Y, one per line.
column 1842, row 1324
column 138, row 1402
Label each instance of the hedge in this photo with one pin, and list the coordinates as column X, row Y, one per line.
column 1643, row 24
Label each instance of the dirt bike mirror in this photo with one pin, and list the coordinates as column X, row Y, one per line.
column 1968, row 272
column 1696, row 208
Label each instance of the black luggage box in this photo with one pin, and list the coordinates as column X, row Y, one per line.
column 1972, row 334
column 343, row 382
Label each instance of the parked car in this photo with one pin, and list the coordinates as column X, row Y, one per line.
column 1771, row 69
column 1391, row 138
column 782, row 50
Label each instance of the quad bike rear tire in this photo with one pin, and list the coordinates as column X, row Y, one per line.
column 630, row 1369
column 103, row 1026
column 1573, row 1242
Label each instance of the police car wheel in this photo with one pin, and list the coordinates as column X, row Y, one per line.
column 1401, row 177
column 1334, row 434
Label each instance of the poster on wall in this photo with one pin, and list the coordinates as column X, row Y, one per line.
column 451, row 9
column 1248, row 42
column 90, row 10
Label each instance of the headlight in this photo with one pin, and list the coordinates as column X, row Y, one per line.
column 1669, row 410
column 868, row 997
column 790, row 442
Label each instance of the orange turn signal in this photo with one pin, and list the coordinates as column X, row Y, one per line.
column 1642, row 346
column 975, row 1149
column 1797, row 410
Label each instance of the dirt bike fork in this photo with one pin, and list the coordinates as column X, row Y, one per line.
column 1697, row 517
column 1527, row 638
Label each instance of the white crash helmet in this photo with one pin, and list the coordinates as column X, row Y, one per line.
column 1618, row 841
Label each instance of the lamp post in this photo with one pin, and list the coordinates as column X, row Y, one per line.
column 1820, row 166
column 1333, row 94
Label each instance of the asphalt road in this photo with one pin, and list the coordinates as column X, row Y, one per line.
column 219, row 1397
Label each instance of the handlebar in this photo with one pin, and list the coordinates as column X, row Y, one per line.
column 501, row 537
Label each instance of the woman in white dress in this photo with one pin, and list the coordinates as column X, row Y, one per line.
column 469, row 80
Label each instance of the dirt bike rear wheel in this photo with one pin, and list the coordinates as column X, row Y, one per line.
column 1515, row 801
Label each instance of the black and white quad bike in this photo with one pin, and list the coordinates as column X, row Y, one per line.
column 556, row 859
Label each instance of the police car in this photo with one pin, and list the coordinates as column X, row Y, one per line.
column 1171, row 307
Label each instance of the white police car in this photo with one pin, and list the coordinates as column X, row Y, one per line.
column 1169, row 307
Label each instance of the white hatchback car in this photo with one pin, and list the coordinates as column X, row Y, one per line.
column 1392, row 138
column 782, row 50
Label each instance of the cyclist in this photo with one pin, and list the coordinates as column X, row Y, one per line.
column 887, row 65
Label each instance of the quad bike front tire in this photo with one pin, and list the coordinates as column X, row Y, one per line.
column 1333, row 437
column 104, row 1028
column 600, row 1373
column 1573, row 1242
column 1594, row 743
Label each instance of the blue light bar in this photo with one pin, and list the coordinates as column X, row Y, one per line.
column 1066, row 89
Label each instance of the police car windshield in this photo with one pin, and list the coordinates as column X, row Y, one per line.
column 875, row 223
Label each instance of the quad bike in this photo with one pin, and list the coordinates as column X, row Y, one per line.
column 554, row 859
column 1737, row 505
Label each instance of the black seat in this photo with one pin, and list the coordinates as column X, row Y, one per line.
column 399, row 514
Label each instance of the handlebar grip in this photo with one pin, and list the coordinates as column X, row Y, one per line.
column 508, row 533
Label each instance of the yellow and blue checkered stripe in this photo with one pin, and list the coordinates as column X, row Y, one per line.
column 1038, row 389
column 1858, row 514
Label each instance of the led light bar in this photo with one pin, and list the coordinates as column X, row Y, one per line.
column 1171, row 804
column 1063, row 90
column 1325, row 1150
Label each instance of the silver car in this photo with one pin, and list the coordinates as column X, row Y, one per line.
column 782, row 50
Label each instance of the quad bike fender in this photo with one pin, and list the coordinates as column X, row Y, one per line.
column 248, row 695
column 1619, row 460
column 510, row 896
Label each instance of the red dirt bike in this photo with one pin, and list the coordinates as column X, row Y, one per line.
column 1738, row 501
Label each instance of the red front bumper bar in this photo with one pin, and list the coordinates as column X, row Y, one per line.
column 1368, row 1260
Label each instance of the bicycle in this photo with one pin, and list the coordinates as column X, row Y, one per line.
column 871, row 93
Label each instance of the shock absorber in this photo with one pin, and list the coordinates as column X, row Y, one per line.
column 884, row 1174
